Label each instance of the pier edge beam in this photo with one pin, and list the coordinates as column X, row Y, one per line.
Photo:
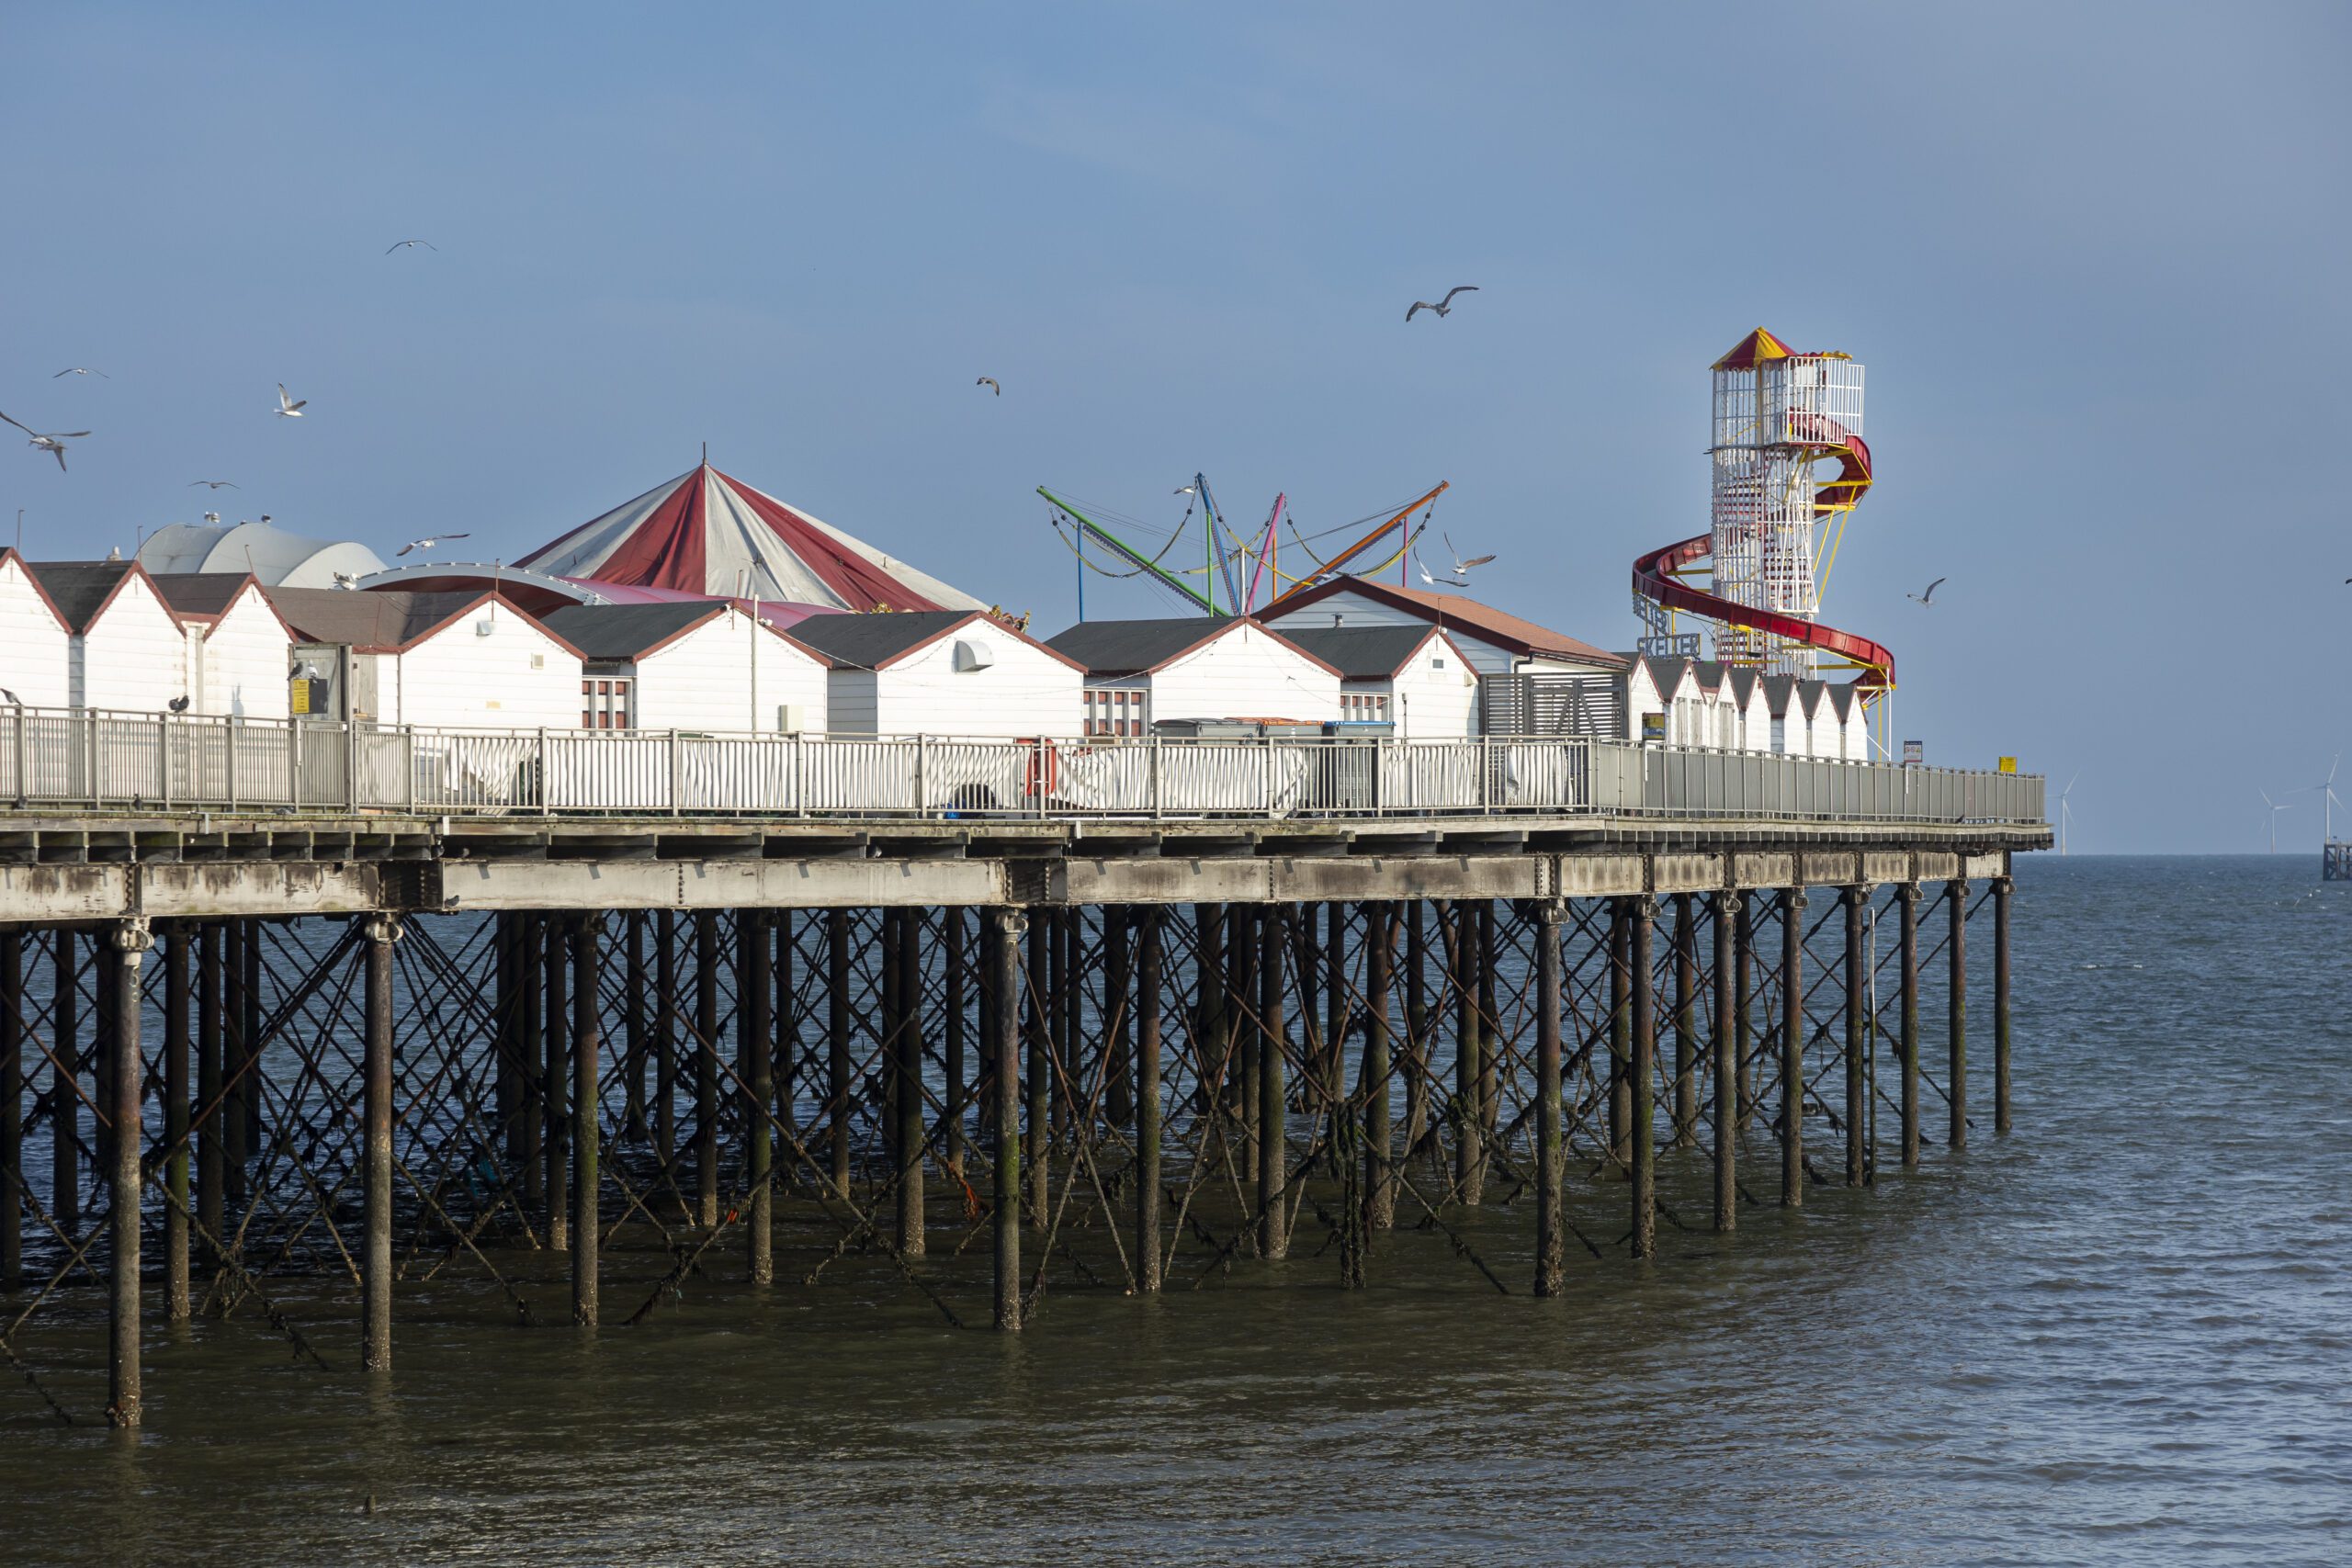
column 130, row 941
column 1727, row 1063
column 1956, row 1073
column 2001, row 889
column 1008, row 925
column 1551, row 1243
column 381, row 931
column 1793, row 1032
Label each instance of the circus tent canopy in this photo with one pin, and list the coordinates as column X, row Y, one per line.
column 706, row 533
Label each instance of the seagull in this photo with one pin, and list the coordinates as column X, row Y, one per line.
column 1929, row 596
column 11, row 697
column 83, row 370
column 1187, row 490
column 177, row 705
column 1434, row 581
column 1460, row 566
column 216, row 484
column 404, row 245
column 990, row 383
column 52, row 444
column 1443, row 307
column 428, row 544
column 346, row 579
column 287, row 407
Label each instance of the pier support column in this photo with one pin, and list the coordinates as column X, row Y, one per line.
column 176, row 1304
column 210, row 1176
column 1956, row 951
column 376, row 1116
column 1034, row 982
column 1686, row 1019
column 705, row 1033
column 1118, row 1015
column 531, row 1113
column 1743, row 1006
column 958, row 1097
column 65, row 1091
column 556, row 970
column 237, row 1122
column 754, row 1031
column 1147, row 1107
column 587, row 1056
column 1792, row 1033
column 1379, row 957
column 1907, row 902
column 1489, row 1021
column 12, row 1109
column 1727, row 1095
column 839, row 1087
column 1007, row 927
column 2001, row 887
column 1551, row 1239
column 1274, row 1148
column 129, row 942
column 665, row 1037
column 633, row 1032
column 1469, row 1070
column 1621, row 1037
column 1857, row 1030
column 1642, row 912
column 1417, row 1031
column 910, row 1108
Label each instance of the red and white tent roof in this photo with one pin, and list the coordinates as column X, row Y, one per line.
column 705, row 533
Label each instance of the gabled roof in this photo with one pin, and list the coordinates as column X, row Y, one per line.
column 1141, row 648
column 612, row 633
column 1777, row 692
column 1665, row 672
column 876, row 641
column 1743, row 678
column 1367, row 653
column 1710, row 672
column 79, row 590
column 1841, row 697
column 41, row 591
column 388, row 621
column 1455, row 612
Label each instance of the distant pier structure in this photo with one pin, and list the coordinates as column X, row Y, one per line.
column 2336, row 862
column 1001, row 1019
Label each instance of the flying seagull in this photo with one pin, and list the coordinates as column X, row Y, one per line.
column 216, row 484
column 52, row 444
column 1434, row 581
column 287, row 407
column 428, row 544
column 1187, row 490
column 990, row 381
column 83, row 370
column 1460, row 566
column 404, row 245
column 1443, row 307
column 1929, row 596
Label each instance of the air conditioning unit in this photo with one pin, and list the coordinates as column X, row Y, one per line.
column 789, row 718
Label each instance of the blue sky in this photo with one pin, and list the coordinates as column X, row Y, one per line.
column 2093, row 256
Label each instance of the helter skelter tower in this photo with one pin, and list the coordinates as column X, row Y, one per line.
column 1779, row 417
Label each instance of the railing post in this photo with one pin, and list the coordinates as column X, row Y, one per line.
column 293, row 765
column 351, row 765
column 24, row 791
column 164, row 758
column 235, row 728
column 922, row 757
column 677, row 775
column 92, row 748
column 1154, row 769
column 546, row 795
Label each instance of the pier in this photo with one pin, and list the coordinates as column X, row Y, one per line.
column 394, row 1005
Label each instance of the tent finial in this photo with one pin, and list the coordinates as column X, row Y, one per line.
column 705, row 454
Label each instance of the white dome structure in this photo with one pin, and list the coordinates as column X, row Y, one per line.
column 279, row 558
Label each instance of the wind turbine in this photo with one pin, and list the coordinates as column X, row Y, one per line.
column 2065, row 811
column 2274, row 809
column 2327, row 800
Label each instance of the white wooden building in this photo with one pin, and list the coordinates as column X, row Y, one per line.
column 1414, row 677
column 692, row 665
column 233, row 644
column 1195, row 667
column 456, row 660
column 945, row 672
column 35, row 642
column 127, row 651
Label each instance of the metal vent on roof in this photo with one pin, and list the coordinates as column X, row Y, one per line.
column 973, row 654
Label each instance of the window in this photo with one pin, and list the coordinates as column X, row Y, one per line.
column 1780, row 735
column 1363, row 707
column 1116, row 711
column 604, row 703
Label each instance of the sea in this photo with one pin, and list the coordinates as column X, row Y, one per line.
column 2120, row 1335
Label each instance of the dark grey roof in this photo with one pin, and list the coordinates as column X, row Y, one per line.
column 1123, row 648
column 1841, row 697
column 1743, row 683
column 1666, row 673
column 78, row 587
column 381, row 620
column 1777, row 689
column 866, row 641
column 626, row 631
column 1361, row 653
column 200, row 593
column 1711, row 673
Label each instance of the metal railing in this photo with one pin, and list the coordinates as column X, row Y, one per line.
column 102, row 761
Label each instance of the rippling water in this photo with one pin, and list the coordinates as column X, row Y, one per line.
column 2122, row 1335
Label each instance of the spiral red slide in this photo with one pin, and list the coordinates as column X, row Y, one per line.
column 1652, row 578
